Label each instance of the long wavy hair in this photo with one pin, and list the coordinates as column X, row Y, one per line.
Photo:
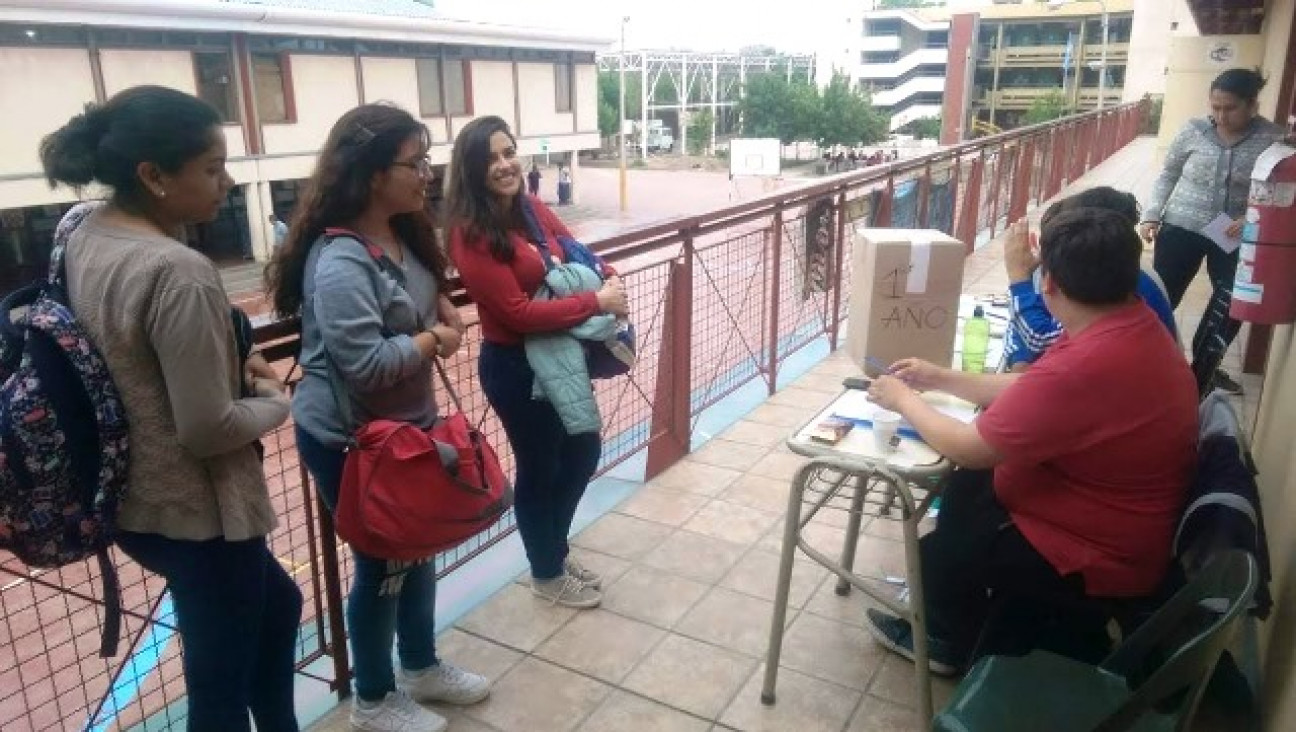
column 364, row 142
column 469, row 202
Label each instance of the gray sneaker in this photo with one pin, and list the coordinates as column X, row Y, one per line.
column 567, row 591
column 573, row 567
column 397, row 712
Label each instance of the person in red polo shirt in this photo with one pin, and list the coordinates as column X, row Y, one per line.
column 1092, row 450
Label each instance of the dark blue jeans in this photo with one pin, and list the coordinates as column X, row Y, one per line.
column 389, row 600
column 237, row 612
column 553, row 467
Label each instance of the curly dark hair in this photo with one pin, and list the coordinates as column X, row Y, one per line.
column 364, row 141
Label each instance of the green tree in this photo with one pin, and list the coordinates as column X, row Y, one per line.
column 699, row 131
column 1050, row 106
column 609, row 101
column 924, row 128
column 847, row 116
column 774, row 107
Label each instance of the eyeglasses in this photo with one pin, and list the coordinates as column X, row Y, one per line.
column 422, row 166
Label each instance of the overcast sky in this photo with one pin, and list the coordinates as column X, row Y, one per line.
column 788, row 25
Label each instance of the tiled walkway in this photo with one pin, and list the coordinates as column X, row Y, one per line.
column 689, row 563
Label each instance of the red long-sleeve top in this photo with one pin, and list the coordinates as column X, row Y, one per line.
column 502, row 290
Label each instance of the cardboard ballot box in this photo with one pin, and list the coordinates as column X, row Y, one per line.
column 905, row 286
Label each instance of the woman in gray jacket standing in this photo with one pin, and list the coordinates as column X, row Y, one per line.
column 1207, row 173
column 371, row 295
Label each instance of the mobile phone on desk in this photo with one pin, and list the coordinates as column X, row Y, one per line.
column 857, row 382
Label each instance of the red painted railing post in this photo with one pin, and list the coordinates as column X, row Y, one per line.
column 971, row 208
column 672, row 418
column 776, row 291
column 955, row 174
column 836, row 279
column 924, row 194
column 1003, row 168
column 882, row 216
column 1020, row 197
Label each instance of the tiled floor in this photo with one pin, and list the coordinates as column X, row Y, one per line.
column 690, row 562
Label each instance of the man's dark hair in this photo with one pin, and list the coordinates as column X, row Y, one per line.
column 1105, row 197
column 1092, row 254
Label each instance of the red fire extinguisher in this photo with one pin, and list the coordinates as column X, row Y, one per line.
column 1264, row 289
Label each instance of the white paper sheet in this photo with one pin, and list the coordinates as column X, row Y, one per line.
column 1217, row 231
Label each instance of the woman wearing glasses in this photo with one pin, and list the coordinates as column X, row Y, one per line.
column 362, row 268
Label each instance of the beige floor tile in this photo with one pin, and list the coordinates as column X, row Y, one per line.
column 622, row 536
column 475, row 654
column 623, row 712
column 895, row 683
column 847, row 608
column 756, row 574
column 691, row 476
column 652, row 596
column 795, row 396
column 779, row 415
column 827, row 539
column 516, row 618
column 843, row 654
column 825, row 383
column 728, row 454
column 755, row 433
column 756, row 491
column 879, row 715
column 690, row 675
column 731, row 522
column 662, row 506
column 803, row 704
column 839, row 364
column 695, row 556
column 777, row 465
column 730, row 619
column 539, row 697
column 601, row 644
column 338, row 719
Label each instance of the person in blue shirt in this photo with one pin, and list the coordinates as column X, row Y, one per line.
column 1032, row 328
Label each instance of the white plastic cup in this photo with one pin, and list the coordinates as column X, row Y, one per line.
column 886, row 426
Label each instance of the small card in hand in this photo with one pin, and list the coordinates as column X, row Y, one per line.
column 830, row 431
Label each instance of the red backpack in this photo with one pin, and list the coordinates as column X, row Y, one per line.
column 408, row 493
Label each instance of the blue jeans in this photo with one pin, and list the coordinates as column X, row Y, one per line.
column 553, row 467
column 389, row 600
column 238, row 612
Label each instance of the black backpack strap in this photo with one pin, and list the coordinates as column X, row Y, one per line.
column 112, row 604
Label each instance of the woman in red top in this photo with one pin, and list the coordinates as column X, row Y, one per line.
column 501, row 269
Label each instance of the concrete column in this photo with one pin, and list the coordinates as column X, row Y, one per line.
column 573, row 162
column 257, row 195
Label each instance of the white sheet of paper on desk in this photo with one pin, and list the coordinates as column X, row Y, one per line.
column 855, row 404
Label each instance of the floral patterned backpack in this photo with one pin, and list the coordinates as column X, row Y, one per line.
column 63, row 439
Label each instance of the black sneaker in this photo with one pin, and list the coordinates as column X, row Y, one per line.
column 895, row 634
column 1226, row 383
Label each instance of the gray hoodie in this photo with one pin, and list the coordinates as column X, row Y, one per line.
column 362, row 317
column 1204, row 177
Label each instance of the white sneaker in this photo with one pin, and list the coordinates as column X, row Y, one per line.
column 567, row 591
column 573, row 568
column 397, row 712
column 443, row 683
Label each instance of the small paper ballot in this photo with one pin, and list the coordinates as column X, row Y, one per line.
column 1217, row 231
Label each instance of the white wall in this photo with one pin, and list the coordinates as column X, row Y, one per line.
column 1154, row 23
column 586, row 98
column 492, row 90
column 1189, row 77
column 124, row 68
column 539, row 101
column 392, row 80
column 33, row 106
column 324, row 87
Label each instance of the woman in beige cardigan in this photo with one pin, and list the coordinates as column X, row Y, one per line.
column 197, row 511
